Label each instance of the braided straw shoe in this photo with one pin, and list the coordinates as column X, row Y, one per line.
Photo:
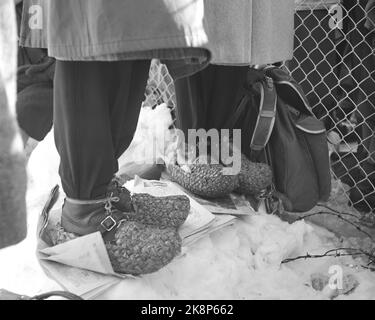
column 253, row 177
column 142, row 241
column 136, row 248
column 170, row 211
column 206, row 180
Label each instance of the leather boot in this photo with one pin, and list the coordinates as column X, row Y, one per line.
column 82, row 217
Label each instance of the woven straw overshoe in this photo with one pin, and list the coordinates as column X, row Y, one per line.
column 145, row 240
column 140, row 249
column 253, row 177
column 206, row 180
column 170, row 211
column 135, row 248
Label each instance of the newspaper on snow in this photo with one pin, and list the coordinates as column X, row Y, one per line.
column 232, row 204
column 82, row 265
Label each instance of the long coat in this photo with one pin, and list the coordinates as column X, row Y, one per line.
column 249, row 32
column 235, row 32
column 81, row 29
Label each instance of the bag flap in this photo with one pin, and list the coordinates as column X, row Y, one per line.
column 289, row 90
column 310, row 125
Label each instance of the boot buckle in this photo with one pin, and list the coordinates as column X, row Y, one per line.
column 108, row 223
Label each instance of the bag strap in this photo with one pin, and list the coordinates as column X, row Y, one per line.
column 257, row 82
column 266, row 116
column 238, row 113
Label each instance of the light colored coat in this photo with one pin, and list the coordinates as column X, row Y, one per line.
column 249, row 32
column 80, row 29
column 235, row 32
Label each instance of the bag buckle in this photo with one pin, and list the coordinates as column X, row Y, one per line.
column 274, row 205
column 268, row 114
column 269, row 82
column 272, row 202
column 262, row 196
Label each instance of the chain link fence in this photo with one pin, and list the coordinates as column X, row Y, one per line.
column 334, row 61
column 160, row 87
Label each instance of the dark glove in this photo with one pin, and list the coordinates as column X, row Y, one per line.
column 30, row 74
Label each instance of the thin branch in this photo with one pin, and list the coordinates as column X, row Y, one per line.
column 340, row 213
column 339, row 217
column 332, row 253
column 368, row 268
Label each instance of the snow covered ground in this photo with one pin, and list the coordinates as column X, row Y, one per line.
column 239, row 262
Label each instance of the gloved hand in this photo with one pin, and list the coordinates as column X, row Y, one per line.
column 33, row 73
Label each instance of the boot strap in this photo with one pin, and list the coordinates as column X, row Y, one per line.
column 109, row 223
column 111, row 219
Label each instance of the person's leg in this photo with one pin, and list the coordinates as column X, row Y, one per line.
column 96, row 112
column 225, row 94
column 127, row 93
column 95, row 116
column 207, row 99
column 82, row 128
column 191, row 93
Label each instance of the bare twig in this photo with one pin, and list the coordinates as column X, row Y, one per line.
column 340, row 213
column 333, row 253
column 368, row 268
column 337, row 215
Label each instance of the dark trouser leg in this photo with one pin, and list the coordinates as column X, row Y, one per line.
column 207, row 99
column 96, row 111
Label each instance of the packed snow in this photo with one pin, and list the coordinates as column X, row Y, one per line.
column 242, row 261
